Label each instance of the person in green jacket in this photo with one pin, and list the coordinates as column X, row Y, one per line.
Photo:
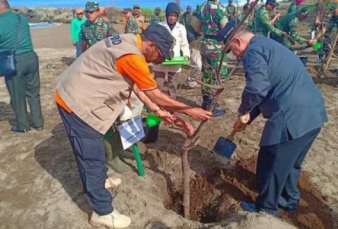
column 295, row 6
column 24, row 85
column 248, row 21
column 156, row 18
column 288, row 24
column 230, row 11
column 75, row 28
column 263, row 24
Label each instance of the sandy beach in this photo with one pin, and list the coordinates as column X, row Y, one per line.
column 40, row 186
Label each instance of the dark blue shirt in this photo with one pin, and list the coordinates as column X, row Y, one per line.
column 279, row 87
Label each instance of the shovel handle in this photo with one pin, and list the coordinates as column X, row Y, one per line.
column 232, row 135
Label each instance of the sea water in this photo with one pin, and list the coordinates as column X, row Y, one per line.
column 41, row 25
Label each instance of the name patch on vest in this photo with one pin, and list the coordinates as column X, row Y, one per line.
column 114, row 40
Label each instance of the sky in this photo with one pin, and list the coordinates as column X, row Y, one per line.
column 116, row 3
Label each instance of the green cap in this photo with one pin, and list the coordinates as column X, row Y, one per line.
column 92, row 6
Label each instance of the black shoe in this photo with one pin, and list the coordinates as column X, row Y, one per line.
column 218, row 113
column 16, row 130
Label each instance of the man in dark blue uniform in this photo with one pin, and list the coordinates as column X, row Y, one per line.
column 279, row 88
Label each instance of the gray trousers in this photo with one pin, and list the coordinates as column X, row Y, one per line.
column 173, row 80
column 24, row 87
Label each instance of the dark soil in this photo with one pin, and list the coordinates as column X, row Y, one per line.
column 218, row 193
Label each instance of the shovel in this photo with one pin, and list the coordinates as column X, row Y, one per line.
column 224, row 147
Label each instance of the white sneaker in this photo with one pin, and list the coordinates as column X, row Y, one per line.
column 112, row 182
column 114, row 220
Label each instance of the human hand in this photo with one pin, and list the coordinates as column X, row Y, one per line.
column 285, row 34
column 185, row 126
column 74, row 43
column 311, row 42
column 166, row 116
column 277, row 15
column 199, row 114
column 239, row 126
column 244, row 118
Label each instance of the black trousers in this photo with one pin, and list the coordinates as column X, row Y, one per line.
column 88, row 148
column 24, row 87
column 278, row 170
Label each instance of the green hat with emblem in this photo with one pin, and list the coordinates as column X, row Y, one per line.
column 92, row 6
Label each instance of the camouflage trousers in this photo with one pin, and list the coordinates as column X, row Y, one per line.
column 281, row 39
column 327, row 41
column 211, row 58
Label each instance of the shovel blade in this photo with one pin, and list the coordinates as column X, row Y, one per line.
column 224, row 147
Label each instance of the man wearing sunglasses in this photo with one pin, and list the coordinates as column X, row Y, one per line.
column 92, row 93
column 278, row 87
column 95, row 28
column 75, row 28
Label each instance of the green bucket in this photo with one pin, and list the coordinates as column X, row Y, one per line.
column 317, row 45
column 152, row 120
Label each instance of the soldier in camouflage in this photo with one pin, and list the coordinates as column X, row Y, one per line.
column 288, row 24
column 139, row 18
column 263, row 24
column 184, row 19
column 131, row 25
column 327, row 35
column 211, row 19
column 156, row 18
column 95, row 28
column 294, row 7
column 230, row 11
column 249, row 20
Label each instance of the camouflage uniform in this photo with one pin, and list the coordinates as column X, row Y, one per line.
column 328, row 38
column 184, row 19
column 288, row 24
column 293, row 8
column 94, row 32
column 211, row 15
column 249, row 20
column 262, row 23
column 155, row 19
column 132, row 26
column 230, row 12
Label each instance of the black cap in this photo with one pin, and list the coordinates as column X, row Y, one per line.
column 227, row 31
column 162, row 38
column 272, row 2
column 157, row 8
column 126, row 10
column 188, row 7
column 136, row 6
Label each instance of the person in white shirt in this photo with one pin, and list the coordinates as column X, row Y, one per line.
column 179, row 32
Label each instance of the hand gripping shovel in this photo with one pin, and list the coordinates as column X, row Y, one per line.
column 224, row 147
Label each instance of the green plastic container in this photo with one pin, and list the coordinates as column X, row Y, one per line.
column 317, row 45
column 152, row 120
column 176, row 61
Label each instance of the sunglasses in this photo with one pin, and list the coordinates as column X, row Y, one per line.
column 79, row 14
column 89, row 12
